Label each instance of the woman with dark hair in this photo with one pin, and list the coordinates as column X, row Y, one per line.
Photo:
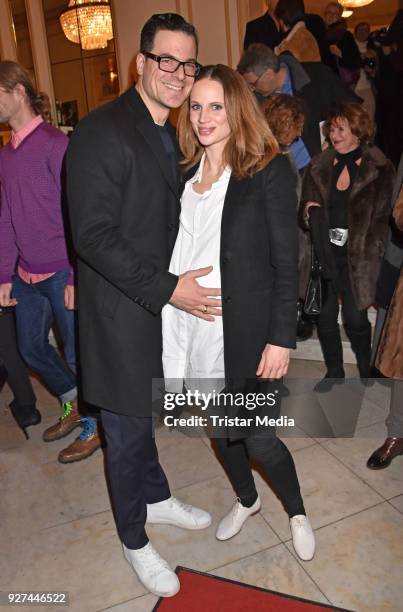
column 298, row 39
column 238, row 212
column 352, row 182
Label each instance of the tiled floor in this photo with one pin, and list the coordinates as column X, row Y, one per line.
column 57, row 530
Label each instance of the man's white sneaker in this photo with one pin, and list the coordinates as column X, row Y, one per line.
column 303, row 538
column 232, row 523
column 172, row 511
column 152, row 570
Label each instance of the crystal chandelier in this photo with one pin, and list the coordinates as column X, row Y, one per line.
column 88, row 22
column 352, row 4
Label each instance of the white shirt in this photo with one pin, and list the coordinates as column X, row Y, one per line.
column 194, row 348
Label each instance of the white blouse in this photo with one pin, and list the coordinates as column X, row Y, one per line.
column 193, row 349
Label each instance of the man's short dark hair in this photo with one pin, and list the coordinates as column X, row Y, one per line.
column 165, row 21
column 258, row 58
column 290, row 11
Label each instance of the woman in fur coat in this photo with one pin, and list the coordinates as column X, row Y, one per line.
column 353, row 182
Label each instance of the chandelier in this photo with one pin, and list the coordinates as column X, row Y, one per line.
column 351, row 4
column 88, row 23
column 346, row 13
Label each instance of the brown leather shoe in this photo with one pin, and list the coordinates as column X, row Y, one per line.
column 69, row 420
column 84, row 446
column 383, row 456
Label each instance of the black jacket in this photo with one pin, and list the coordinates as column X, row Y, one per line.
column 258, row 263
column 319, row 92
column 262, row 30
column 124, row 210
column 315, row 24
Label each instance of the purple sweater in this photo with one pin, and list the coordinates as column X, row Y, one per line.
column 31, row 223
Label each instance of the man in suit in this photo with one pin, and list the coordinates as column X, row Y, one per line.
column 122, row 186
column 264, row 29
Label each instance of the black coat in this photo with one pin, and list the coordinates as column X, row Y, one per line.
column 259, row 280
column 258, row 264
column 124, row 210
column 262, row 30
column 315, row 24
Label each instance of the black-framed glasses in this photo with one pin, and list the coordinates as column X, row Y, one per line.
column 253, row 86
column 166, row 63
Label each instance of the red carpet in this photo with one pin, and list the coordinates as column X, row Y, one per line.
column 205, row 593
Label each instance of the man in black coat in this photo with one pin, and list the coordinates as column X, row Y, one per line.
column 318, row 88
column 264, row 29
column 122, row 187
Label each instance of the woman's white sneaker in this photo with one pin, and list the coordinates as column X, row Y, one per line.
column 303, row 538
column 152, row 570
column 172, row 511
column 232, row 523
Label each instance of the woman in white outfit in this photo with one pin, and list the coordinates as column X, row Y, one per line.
column 238, row 216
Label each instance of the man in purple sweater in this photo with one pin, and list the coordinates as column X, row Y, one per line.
column 35, row 273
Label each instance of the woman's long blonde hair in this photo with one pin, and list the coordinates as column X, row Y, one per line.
column 251, row 145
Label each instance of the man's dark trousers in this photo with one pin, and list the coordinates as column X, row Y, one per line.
column 135, row 475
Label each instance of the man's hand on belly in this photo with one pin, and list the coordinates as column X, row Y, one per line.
column 195, row 299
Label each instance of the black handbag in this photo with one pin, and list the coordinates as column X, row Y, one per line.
column 313, row 296
column 304, row 323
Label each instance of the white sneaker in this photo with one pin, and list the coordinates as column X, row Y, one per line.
column 152, row 570
column 172, row 511
column 232, row 523
column 303, row 538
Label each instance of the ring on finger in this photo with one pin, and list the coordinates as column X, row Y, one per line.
column 204, row 309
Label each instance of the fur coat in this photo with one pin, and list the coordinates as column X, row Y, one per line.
column 369, row 211
column 390, row 351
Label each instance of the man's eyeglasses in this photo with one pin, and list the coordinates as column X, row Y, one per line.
column 170, row 64
column 253, row 86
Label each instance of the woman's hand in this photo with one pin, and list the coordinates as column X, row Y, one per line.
column 195, row 299
column 306, row 211
column 274, row 362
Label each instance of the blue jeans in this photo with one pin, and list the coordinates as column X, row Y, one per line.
column 39, row 306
